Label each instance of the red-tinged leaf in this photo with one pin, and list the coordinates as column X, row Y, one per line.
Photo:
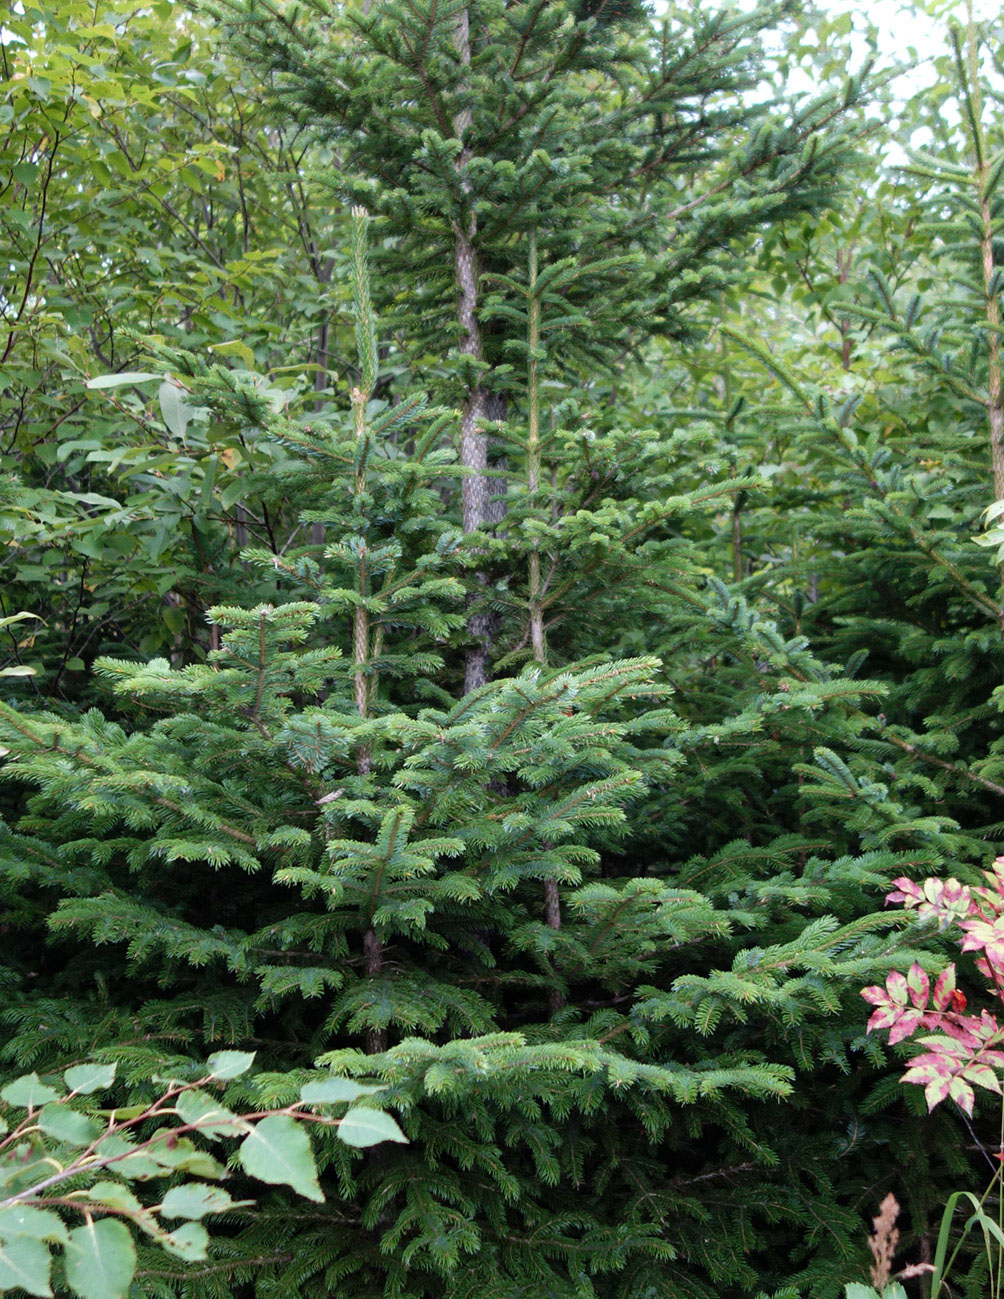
column 936, row 1091
column 919, row 986
column 931, row 1063
column 986, row 936
column 945, row 1048
column 907, row 1023
column 904, row 891
column 960, row 1052
column 884, row 1017
column 944, row 988
column 981, row 1075
column 962, row 1094
column 955, row 895
column 995, row 879
column 965, row 1030
column 896, row 985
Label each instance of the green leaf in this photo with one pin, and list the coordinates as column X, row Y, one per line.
column 277, row 1151
column 100, row 1259
column 87, row 1078
column 329, row 1091
column 28, row 1091
column 185, row 1157
column 174, row 408
column 24, row 1264
column 212, row 1117
column 230, row 1064
column 235, row 348
column 115, row 1196
column 365, row 1127
column 130, row 1161
column 120, row 380
column 196, row 1200
column 233, row 493
column 64, row 1124
column 174, row 620
column 24, row 1220
column 855, row 1290
column 189, row 1242
column 121, row 1113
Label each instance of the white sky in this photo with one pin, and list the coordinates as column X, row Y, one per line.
column 904, row 26
column 909, row 31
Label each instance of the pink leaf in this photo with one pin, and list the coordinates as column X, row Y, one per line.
column 896, row 985
column 944, row 987
column 983, row 1076
column 965, row 1030
column 907, row 1023
column 919, row 986
column 962, row 1094
column 905, row 891
column 884, row 1017
column 936, row 1091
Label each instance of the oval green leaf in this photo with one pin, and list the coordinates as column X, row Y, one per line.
column 63, row 1124
column 329, row 1091
column 100, row 1260
column 28, row 1091
column 189, row 1242
column 209, row 1116
column 277, row 1151
column 87, row 1078
column 229, row 1064
column 174, row 408
column 365, row 1127
column 196, row 1200
column 23, row 1220
column 24, row 1265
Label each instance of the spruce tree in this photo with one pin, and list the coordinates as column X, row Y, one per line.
column 912, row 461
column 634, row 154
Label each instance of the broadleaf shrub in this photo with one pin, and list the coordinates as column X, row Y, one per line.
column 85, row 1182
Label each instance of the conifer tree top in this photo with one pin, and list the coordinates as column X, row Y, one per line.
column 637, row 146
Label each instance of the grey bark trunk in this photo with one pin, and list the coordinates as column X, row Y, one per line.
column 475, row 489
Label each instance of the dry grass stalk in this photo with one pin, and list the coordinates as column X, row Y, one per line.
column 884, row 1241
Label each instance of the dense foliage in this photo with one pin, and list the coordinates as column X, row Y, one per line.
column 488, row 498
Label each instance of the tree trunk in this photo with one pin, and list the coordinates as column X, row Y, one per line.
column 473, row 438
column 376, row 1038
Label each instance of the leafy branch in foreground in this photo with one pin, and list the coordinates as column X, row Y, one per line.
column 68, row 1158
column 965, row 1050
